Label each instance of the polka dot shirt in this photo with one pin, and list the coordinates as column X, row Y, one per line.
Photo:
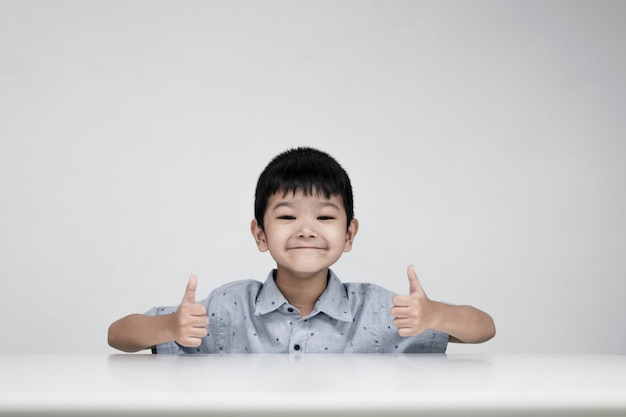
column 253, row 317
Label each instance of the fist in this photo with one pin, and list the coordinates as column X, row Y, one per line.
column 190, row 320
column 414, row 313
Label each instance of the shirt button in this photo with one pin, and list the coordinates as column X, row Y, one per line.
column 290, row 309
column 296, row 347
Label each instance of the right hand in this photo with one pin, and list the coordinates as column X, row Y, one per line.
column 191, row 318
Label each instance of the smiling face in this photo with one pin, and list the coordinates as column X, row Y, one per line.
column 305, row 234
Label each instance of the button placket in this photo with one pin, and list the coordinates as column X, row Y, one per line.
column 297, row 342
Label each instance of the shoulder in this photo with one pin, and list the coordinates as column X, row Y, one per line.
column 360, row 291
column 365, row 289
column 241, row 288
column 368, row 297
column 241, row 285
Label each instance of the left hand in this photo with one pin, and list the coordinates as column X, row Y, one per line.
column 413, row 313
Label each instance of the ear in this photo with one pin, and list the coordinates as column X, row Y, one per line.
column 259, row 236
column 350, row 234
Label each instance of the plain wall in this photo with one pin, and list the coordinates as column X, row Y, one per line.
column 485, row 141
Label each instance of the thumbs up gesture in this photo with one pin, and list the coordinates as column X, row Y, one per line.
column 191, row 318
column 413, row 313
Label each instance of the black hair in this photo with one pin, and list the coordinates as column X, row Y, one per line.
column 303, row 169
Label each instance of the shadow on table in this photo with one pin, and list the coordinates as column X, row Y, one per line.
column 317, row 373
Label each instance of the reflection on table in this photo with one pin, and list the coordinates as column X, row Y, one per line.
column 314, row 384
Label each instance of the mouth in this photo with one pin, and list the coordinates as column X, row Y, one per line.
column 305, row 248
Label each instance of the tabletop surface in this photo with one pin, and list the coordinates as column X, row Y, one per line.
column 453, row 384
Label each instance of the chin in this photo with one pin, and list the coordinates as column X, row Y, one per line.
column 306, row 272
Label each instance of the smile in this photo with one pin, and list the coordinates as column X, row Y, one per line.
column 305, row 247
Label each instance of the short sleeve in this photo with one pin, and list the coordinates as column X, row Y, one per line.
column 431, row 341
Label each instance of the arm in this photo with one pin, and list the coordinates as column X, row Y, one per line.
column 464, row 324
column 137, row 332
column 187, row 326
column 416, row 313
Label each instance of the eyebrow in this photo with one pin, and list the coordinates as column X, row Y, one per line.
column 288, row 204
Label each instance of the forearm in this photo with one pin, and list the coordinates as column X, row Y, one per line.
column 465, row 324
column 137, row 332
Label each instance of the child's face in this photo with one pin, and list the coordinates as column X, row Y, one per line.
column 305, row 234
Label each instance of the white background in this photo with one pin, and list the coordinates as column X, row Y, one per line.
column 485, row 141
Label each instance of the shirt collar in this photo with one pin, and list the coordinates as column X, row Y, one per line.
column 270, row 298
column 333, row 302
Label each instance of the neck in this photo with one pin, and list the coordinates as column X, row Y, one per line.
column 301, row 291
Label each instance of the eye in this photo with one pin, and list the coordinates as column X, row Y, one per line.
column 286, row 217
column 325, row 218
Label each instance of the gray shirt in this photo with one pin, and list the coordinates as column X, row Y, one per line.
column 253, row 317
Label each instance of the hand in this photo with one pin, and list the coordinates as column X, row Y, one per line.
column 413, row 313
column 191, row 318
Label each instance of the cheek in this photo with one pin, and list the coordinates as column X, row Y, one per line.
column 276, row 235
column 338, row 235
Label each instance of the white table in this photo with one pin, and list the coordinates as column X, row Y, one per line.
column 315, row 385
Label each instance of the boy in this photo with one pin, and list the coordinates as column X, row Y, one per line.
column 304, row 217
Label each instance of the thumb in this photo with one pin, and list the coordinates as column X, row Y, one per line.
column 190, row 291
column 414, row 284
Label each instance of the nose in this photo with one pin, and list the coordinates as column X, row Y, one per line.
column 305, row 230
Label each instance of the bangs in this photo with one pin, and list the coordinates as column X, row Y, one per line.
column 305, row 185
column 306, row 170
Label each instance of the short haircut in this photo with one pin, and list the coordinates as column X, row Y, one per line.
column 303, row 169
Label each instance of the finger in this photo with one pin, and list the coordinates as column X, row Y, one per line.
column 190, row 291
column 414, row 284
column 198, row 332
column 402, row 301
column 402, row 323
column 197, row 310
column 191, row 341
column 407, row 332
column 398, row 309
column 401, row 312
